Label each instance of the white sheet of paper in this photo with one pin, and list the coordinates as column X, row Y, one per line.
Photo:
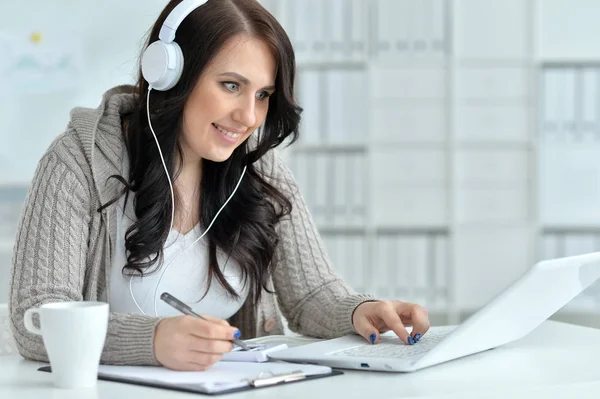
column 257, row 353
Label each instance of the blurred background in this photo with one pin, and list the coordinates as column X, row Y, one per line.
column 446, row 145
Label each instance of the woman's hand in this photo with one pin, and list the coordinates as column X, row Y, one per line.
column 371, row 318
column 187, row 343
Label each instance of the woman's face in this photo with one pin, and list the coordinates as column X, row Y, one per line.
column 229, row 102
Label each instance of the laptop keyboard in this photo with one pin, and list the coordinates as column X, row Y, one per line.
column 392, row 347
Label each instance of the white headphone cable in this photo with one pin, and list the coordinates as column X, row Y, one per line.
column 173, row 211
column 161, row 158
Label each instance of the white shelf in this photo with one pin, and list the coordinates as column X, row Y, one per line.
column 329, row 147
column 384, row 230
column 573, row 228
column 14, row 184
column 496, row 225
column 412, row 229
column 493, row 145
column 569, row 62
column 327, row 65
column 342, row 230
column 409, row 145
column 493, row 63
column 410, row 63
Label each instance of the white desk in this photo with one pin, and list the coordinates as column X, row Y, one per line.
column 555, row 361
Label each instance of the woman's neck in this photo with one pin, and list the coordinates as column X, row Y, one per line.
column 187, row 207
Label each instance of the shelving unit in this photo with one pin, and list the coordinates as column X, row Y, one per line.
column 452, row 147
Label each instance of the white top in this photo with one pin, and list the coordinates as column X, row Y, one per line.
column 185, row 276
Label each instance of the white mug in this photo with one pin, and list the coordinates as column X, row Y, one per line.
column 74, row 335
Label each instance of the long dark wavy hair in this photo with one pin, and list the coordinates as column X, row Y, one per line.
column 245, row 229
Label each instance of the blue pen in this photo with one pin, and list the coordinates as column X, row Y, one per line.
column 185, row 309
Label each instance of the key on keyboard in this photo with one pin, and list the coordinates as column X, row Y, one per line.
column 391, row 346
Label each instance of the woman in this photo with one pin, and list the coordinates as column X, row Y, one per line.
column 154, row 174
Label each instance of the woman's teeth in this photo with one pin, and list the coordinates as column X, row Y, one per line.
column 227, row 133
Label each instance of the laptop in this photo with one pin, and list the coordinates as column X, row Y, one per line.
column 514, row 313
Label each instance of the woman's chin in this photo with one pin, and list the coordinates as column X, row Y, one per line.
column 220, row 156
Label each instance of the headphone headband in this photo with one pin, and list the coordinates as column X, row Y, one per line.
column 176, row 17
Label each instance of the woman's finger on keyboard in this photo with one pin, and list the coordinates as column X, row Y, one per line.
column 389, row 312
column 415, row 315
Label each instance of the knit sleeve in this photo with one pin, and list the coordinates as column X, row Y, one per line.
column 312, row 296
column 50, row 261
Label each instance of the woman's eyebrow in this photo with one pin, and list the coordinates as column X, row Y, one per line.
column 243, row 79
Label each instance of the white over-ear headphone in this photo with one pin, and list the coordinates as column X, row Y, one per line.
column 162, row 61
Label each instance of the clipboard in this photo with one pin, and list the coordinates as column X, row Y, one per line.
column 258, row 376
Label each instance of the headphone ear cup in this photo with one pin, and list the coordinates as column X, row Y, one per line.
column 162, row 65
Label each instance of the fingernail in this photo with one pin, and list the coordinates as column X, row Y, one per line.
column 417, row 337
column 411, row 341
column 237, row 334
column 373, row 337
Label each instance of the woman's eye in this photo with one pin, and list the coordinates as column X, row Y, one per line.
column 263, row 95
column 231, row 86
